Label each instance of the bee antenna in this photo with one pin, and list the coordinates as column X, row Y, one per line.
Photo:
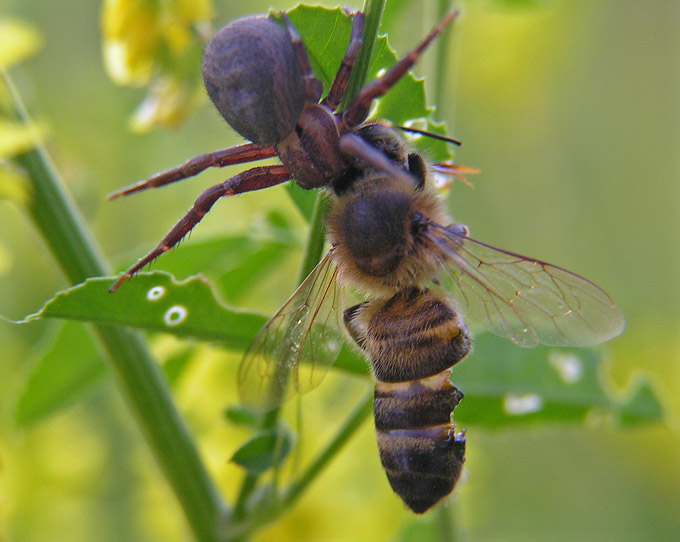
column 431, row 134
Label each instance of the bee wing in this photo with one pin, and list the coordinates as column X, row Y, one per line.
column 295, row 348
column 524, row 300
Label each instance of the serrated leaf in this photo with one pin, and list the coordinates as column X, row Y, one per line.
column 504, row 385
column 69, row 368
column 509, row 386
column 156, row 302
column 325, row 33
column 260, row 452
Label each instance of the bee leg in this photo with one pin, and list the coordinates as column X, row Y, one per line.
column 224, row 157
column 357, row 111
column 339, row 84
column 253, row 179
column 356, row 327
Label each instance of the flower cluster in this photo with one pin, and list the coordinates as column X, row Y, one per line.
column 157, row 44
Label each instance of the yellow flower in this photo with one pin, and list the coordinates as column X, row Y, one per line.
column 168, row 103
column 131, row 36
column 154, row 43
column 18, row 40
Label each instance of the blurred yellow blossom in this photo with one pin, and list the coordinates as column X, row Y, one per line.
column 167, row 103
column 131, row 37
column 18, row 40
column 156, row 44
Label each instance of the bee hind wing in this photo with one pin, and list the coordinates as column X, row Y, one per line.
column 295, row 348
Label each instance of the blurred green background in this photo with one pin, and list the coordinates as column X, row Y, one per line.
column 571, row 109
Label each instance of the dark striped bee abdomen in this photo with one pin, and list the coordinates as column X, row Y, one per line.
column 412, row 340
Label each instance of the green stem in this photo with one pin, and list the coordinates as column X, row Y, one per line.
column 144, row 388
column 352, row 423
column 442, row 58
column 373, row 10
column 317, row 238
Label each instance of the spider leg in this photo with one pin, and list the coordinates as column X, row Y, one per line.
column 339, row 84
column 313, row 87
column 353, row 146
column 357, row 111
column 253, row 179
column 224, row 157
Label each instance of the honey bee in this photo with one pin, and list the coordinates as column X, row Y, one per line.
column 392, row 240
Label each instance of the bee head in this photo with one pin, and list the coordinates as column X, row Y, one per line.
column 378, row 221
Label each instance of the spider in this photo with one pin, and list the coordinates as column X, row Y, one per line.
column 257, row 74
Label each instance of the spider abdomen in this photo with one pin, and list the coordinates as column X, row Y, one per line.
column 253, row 77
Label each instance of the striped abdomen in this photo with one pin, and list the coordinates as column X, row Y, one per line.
column 412, row 340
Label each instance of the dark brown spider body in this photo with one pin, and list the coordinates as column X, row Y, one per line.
column 253, row 78
column 253, row 75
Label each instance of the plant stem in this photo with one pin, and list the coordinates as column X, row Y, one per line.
column 373, row 10
column 441, row 65
column 140, row 379
column 444, row 520
column 316, row 239
column 360, row 412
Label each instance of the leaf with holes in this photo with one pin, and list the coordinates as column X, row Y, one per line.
column 156, row 302
column 508, row 386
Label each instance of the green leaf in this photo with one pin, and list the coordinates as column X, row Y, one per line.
column 156, row 302
column 69, row 368
column 504, row 385
column 325, row 33
column 245, row 276
column 261, row 452
column 272, row 233
column 509, row 386
column 241, row 415
column 303, row 199
column 235, row 264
